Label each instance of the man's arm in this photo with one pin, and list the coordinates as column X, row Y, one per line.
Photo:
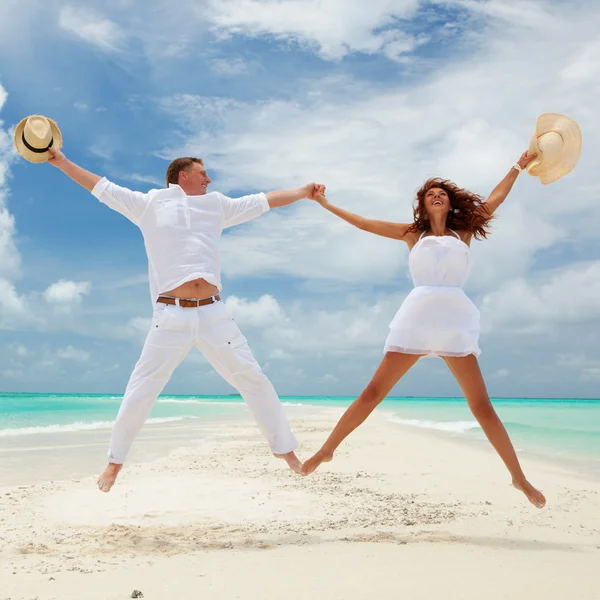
column 76, row 173
column 129, row 203
column 246, row 208
column 285, row 197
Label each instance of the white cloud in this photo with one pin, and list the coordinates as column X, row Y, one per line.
column 126, row 281
column 501, row 373
column 279, row 354
column 312, row 245
column 588, row 369
column 19, row 349
column 103, row 146
column 512, row 248
column 10, row 259
column 145, row 179
column 230, row 67
column 311, row 328
column 328, row 378
column 71, row 353
column 9, row 256
column 67, row 292
column 134, row 330
column 591, row 373
column 259, row 313
column 333, row 28
column 520, row 13
column 545, row 301
column 584, row 64
column 12, row 305
column 92, row 27
column 16, row 374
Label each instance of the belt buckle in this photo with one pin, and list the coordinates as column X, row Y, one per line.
column 195, row 302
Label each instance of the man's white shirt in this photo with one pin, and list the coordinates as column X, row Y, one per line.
column 181, row 233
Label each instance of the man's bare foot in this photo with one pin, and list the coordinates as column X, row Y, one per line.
column 108, row 477
column 534, row 496
column 292, row 460
column 314, row 461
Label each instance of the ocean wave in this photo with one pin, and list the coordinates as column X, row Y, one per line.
column 77, row 426
column 450, row 426
column 587, row 429
column 216, row 402
column 201, row 402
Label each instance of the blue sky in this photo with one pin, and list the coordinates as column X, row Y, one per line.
column 368, row 98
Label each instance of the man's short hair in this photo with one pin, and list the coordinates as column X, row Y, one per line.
column 180, row 164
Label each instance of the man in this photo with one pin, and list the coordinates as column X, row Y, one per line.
column 181, row 226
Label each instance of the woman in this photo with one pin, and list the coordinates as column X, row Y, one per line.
column 437, row 318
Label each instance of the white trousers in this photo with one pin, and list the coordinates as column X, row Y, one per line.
column 213, row 331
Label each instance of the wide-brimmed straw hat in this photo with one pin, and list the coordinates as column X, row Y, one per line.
column 557, row 143
column 34, row 135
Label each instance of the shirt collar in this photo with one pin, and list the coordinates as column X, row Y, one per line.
column 175, row 190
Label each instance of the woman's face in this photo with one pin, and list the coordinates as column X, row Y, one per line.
column 436, row 201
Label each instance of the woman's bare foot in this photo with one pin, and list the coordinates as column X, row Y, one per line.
column 314, row 461
column 292, row 460
column 108, row 477
column 534, row 496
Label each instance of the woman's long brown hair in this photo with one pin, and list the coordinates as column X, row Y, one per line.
column 472, row 216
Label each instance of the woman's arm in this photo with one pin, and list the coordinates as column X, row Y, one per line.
column 499, row 193
column 285, row 197
column 396, row 231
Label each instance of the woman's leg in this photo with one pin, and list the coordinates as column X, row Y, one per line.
column 468, row 375
column 393, row 366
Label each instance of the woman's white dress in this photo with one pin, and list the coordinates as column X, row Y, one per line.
column 437, row 318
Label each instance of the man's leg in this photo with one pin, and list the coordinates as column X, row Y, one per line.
column 224, row 346
column 168, row 342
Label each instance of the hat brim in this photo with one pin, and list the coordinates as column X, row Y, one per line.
column 26, row 153
column 570, row 150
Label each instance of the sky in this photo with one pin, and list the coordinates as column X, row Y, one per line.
column 369, row 98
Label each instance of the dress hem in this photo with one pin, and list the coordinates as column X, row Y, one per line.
column 440, row 353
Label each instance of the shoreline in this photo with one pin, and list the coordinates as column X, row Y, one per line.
column 587, row 468
column 119, row 395
column 157, row 439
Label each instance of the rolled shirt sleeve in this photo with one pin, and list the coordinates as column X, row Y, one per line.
column 130, row 204
column 240, row 210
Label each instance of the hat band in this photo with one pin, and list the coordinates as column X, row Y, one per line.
column 36, row 150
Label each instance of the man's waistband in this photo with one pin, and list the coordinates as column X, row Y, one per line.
column 188, row 302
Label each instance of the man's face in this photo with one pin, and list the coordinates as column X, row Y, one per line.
column 194, row 180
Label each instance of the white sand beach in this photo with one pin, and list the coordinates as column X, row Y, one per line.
column 399, row 513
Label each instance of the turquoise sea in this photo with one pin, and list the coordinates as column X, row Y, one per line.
column 561, row 428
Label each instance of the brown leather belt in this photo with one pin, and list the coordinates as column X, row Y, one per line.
column 188, row 302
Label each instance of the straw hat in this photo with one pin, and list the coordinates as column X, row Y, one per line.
column 557, row 143
column 34, row 135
